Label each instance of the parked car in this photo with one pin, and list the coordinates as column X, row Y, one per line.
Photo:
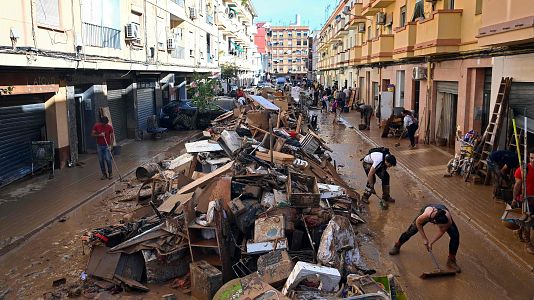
column 181, row 114
column 233, row 91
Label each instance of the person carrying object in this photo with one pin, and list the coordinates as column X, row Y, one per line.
column 439, row 215
column 501, row 164
column 411, row 124
column 366, row 111
column 376, row 162
column 527, row 222
column 105, row 138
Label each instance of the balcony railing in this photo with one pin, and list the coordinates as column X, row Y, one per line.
column 100, row 36
column 178, row 53
column 439, row 34
column 179, row 2
column 404, row 43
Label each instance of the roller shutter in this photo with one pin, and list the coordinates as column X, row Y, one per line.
column 19, row 126
column 145, row 106
column 521, row 99
column 117, row 109
column 449, row 87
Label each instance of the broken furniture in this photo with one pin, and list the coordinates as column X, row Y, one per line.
column 206, row 280
column 302, row 190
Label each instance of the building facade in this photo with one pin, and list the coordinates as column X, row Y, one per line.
column 288, row 51
column 260, row 39
column 63, row 64
column 442, row 59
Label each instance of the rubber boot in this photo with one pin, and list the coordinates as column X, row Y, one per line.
column 365, row 197
column 451, row 263
column 395, row 249
column 386, row 189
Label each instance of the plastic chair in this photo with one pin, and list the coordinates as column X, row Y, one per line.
column 153, row 127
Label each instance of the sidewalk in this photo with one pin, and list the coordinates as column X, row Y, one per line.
column 473, row 202
column 30, row 205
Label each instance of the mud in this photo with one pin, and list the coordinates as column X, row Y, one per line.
column 487, row 271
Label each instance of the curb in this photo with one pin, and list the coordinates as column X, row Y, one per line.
column 506, row 251
column 99, row 194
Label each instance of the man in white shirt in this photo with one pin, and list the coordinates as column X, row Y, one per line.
column 376, row 163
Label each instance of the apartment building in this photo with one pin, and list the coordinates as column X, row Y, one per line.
column 63, row 63
column 236, row 40
column 443, row 59
column 313, row 54
column 260, row 39
column 288, row 51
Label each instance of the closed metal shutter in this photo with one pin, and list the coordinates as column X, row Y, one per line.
column 450, row 87
column 117, row 109
column 521, row 98
column 19, row 126
column 145, row 107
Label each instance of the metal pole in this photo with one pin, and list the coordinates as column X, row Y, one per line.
column 271, row 138
column 525, row 168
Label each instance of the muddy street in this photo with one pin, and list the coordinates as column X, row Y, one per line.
column 487, row 271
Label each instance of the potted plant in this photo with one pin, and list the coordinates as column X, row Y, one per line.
column 203, row 90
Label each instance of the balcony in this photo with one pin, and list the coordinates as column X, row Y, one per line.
column 382, row 48
column 404, row 42
column 367, row 52
column 381, row 3
column 506, row 23
column 367, row 9
column 100, row 36
column 355, row 16
column 439, row 34
column 355, row 56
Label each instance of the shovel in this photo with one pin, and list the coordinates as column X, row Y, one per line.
column 438, row 272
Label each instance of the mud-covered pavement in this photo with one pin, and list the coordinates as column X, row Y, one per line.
column 487, row 271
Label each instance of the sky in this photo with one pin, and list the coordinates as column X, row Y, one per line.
column 313, row 13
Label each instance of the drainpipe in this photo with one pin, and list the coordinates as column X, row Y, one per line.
column 429, row 74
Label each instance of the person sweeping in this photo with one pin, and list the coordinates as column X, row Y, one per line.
column 105, row 138
column 439, row 215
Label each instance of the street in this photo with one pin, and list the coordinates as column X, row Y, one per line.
column 488, row 272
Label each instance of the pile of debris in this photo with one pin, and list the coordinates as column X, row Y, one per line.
column 254, row 210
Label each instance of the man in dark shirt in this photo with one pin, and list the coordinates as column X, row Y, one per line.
column 500, row 165
column 366, row 112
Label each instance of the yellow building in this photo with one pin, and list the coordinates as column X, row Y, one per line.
column 443, row 59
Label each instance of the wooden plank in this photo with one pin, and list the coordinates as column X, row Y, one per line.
column 279, row 157
column 204, row 180
column 174, row 200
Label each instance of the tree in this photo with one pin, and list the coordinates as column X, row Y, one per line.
column 229, row 71
column 202, row 89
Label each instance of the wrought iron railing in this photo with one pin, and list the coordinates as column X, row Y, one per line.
column 100, row 36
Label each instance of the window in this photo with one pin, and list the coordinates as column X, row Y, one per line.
column 419, row 10
column 478, row 7
column 48, row 13
column 402, row 19
column 101, row 23
column 299, row 33
column 161, row 34
column 298, row 42
column 305, row 42
column 305, row 34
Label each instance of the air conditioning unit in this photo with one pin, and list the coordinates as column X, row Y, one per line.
column 132, row 31
column 361, row 27
column 381, row 18
column 346, row 10
column 192, row 13
column 419, row 73
column 171, row 44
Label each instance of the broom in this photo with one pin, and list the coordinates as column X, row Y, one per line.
column 400, row 137
column 438, row 272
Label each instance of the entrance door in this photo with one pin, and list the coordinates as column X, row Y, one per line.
column 446, row 113
column 486, row 99
column 21, row 124
column 399, row 89
column 417, row 92
column 376, row 101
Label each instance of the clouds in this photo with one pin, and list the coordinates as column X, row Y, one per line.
column 282, row 12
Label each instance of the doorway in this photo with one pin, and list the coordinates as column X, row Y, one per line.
column 416, row 95
column 399, row 90
column 446, row 113
column 80, row 124
column 376, row 101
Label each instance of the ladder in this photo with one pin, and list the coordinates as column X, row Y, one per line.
column 493, row 131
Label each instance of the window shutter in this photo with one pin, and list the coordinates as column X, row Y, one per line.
column 48, row 12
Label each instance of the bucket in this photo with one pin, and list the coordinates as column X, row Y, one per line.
column 116, row 150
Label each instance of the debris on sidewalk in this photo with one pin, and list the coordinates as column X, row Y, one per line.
column 254, row 210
